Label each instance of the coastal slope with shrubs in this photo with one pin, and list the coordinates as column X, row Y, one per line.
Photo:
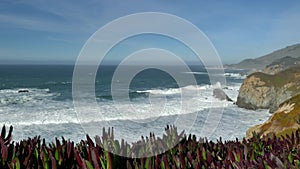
column 275, row 87
column 284, row 121
column 281, row 64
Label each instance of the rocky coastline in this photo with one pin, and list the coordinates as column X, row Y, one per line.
column 274, row 86
column 263, row 91
column 285, row 120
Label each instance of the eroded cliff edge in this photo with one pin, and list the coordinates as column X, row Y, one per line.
column 264, row 91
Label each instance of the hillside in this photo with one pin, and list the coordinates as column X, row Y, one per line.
column 281, row 64
column 285, row 120
column 265, row 91
column 261, row 62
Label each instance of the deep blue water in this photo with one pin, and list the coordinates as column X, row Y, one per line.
column 59, row 79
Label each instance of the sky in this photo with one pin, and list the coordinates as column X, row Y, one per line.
column 54, row 32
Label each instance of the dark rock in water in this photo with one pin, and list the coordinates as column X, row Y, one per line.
column 220, row 94
column 23, row 91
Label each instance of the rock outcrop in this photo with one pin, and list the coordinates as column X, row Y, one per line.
column 23, row 91
column 220, row 94
column 284, row 121
column 263, row 91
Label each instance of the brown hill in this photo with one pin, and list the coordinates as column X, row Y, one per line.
column 261, row 62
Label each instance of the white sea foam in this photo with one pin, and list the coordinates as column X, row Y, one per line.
column 161, row 91
column 200, row 97
column 13, row 96
column 172, row 91
column 38, row 107
column 204, row 90
column 230, row 75
column 235, row 75
column 196, row 73
column 64, row 83
column 35, row 107
column 37, row 111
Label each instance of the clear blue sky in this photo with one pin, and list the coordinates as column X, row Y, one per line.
column 54, row 31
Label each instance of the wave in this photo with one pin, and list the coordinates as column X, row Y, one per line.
column 174, row 91
column 37, row 107
column 235, row 75
column 196, row 73
column 42, row 115
column 16, row 90
column 234, row 123
column 229, row 75
column 52, row 112
column 43, row 122
column 24, row 95
column 191, row 90
column 65, row 83
column 169, row 91
column 55, row 83
column 132, row 95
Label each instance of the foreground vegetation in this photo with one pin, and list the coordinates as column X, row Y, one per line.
column 257, row 152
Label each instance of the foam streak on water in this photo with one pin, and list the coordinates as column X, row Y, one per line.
column 38, row 113
column 47, row 108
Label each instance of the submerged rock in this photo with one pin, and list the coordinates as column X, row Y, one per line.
column 23, row 91
column 220, row 94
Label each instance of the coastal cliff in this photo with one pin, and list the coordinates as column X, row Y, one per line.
column 284, row 121
column 264, row 91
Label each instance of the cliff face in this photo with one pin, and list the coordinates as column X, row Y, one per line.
column 255, row 93
column 284, row 121
column 264, row 91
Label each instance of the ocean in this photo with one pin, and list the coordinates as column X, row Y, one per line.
column 47, row 108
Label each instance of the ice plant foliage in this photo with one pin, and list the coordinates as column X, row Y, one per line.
column 257, row 152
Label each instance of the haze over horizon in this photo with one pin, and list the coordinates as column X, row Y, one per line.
column 42, row 32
